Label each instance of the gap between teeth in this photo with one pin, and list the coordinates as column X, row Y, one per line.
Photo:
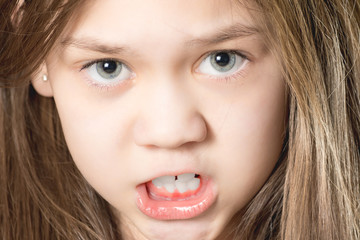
column 182, row 183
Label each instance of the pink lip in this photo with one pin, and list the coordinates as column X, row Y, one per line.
column 172, row 209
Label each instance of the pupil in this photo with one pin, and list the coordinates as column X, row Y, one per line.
column 222, row 59
column 109, row 67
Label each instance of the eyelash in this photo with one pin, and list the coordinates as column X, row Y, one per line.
column 231, row 77
column 101, row 87
column 89, row 64
column 221, row 79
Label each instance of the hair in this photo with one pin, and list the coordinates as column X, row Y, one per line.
column 313, row 191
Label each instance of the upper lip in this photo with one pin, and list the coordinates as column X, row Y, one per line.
column 165, row 163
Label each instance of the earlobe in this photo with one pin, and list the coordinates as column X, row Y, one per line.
column 41, row 83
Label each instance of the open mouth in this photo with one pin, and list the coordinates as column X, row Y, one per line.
column 175, row 197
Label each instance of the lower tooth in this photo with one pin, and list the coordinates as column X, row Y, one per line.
column 193, row 184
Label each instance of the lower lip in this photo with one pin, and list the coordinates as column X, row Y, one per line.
column 180, row 209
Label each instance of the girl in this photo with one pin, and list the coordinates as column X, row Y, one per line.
column 129, row 119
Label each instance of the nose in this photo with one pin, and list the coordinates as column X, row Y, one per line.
column 168, row 118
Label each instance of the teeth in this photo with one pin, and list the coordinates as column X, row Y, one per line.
column 170, row 187
column 193, row 184
column 157, row 183
column 166, row 179
column 181, row 186
column 161, row 181
column 185, row 177
column 183, row 182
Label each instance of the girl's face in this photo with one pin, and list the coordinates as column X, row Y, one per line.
column 181, row 92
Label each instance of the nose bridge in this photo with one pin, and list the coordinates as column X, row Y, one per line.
column 168, row 117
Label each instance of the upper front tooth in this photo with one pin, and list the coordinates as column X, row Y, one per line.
column 161, row 181
column 193, row 184
column 157, row 182
column 181, row 186
column 185, row 177
column 167, row 179
column 170, row 187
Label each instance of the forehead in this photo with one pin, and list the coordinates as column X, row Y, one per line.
column 105, row 19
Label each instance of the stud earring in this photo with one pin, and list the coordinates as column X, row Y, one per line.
column 44, row 77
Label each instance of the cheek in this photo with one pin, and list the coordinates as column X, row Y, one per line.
column 95, row 134
column 250, row 139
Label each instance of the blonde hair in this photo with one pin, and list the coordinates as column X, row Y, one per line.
column 318, row 43
column 314, row 190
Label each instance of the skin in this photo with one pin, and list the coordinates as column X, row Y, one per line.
column 168, row 116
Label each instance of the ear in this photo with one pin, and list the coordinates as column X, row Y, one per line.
column 41, row 83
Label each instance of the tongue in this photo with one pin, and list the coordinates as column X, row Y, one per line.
column 161, row 193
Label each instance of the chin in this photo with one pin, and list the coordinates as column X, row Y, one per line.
column 207, row 226
column 181, row 230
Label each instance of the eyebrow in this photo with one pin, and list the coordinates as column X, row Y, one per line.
column 231, row 32
column 92, row 44
column 228, row 33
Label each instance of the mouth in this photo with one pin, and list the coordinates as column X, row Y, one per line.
column 175, row 197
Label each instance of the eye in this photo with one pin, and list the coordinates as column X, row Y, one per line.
column 222, row 63
column 107, row 72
